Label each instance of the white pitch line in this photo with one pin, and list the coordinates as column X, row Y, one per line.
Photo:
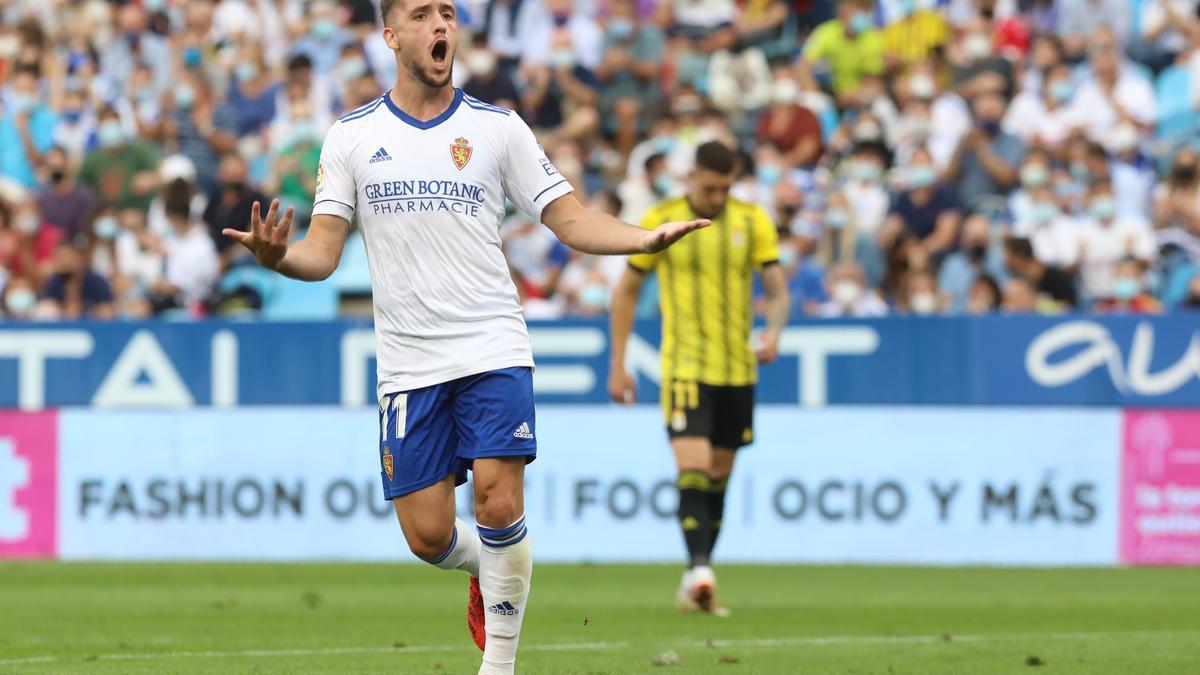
column 809, row 641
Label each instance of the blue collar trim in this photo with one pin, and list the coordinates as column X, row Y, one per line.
column 414, row 122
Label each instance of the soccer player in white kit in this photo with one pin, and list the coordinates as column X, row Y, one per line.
column 426, row 170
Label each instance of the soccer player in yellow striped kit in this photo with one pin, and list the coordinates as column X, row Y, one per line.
column 708, row 364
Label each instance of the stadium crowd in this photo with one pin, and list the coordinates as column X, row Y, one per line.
column 971, row 156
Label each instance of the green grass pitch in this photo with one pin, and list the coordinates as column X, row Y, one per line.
column 344, row 618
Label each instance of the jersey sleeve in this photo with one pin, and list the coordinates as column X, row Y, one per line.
column 530, row 180
column 765, row 246
column 646, row 261
column 335, row 194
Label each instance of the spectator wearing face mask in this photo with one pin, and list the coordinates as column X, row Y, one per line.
column 1033, row 174
column 984, row 296
column 293, row 174
column 789, row 126
column 1106, row 237
column 629, row 72
column 979, row 68
column 1053, row 284
column 578, row 29
column 1054, row 234
column 191, row 264
column 27, row 241
column 976, row 258
column 849, row 296
column 74, row 291
column 124, row 252
column 76, row 126
column 20, row 299
column 849, row 48
column 920, row 296
column 912, row 131
column 805, row 274
column 120, row 170
column 843, row 242
column 927, row 210
column 862, row 176
column 1128, row 294
column 561, row 95
column 984, row 167
column 1113, row 92
column 64, row 201
column 486, row 81
column 639, row 192
column 1133, row 175
column 1044, row 117
column 230, row 206
column 26, row 128
column 324, row 40
column 253, row 91
column 135, row 44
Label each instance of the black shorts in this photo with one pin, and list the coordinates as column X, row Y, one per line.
column 722, row 414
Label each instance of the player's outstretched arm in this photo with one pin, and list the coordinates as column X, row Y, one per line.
column 621, row 387
column 593, row 232
column 313, row 258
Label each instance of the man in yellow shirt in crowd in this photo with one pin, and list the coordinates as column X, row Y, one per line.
column 849, row 46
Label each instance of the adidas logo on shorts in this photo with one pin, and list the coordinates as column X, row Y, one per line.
column 524, row 432
column 504, row 608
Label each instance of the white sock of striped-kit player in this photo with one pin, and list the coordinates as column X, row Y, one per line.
column 463, row 551
column 505, row 568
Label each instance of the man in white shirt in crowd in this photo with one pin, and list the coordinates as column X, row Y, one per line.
column 1105, row 237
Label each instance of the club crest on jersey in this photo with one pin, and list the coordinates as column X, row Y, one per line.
column 389, row 463
column 460, row 152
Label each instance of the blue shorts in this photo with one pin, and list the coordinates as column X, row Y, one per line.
column 429, row 433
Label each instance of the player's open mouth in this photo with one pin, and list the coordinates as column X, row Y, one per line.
column 440, row 49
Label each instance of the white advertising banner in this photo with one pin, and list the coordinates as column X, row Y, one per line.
column 871, row 485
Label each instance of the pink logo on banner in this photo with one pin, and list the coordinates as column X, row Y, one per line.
column 1160, row 488
column 28, row 482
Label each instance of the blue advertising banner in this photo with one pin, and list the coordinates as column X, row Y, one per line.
column 1087, row 361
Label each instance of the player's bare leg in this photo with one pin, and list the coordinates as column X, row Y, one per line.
column 436, row 536
column 506, row 562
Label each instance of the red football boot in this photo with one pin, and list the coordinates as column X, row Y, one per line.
column 475, row 615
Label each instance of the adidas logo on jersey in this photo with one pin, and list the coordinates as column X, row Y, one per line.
column 524, row 432
column 380, row 155
column 504, row 608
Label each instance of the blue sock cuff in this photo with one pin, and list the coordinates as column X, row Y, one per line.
column 449, row 549
column 501, row 537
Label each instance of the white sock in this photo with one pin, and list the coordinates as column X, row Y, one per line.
column 505, row 568
column 463, row 551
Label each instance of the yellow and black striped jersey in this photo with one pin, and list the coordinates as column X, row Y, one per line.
column 705, row 290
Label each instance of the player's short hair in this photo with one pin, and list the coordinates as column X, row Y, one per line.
column 716, row 156
column 386, row 7
column 1019, row 247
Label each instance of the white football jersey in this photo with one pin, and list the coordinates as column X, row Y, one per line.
column 430, row 198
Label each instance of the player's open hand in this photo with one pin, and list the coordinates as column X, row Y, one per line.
column 767, row 350
column 668, row 233
column 267, row 239
column 621, row 387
